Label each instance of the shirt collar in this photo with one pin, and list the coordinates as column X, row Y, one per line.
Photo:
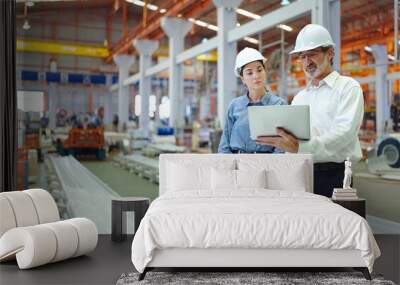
column 331, row 78
column 264, row 100
column 328, row 80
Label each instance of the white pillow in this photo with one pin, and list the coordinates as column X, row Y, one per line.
column 224, row 179
column 184, row 175
column 251, row 178
column 282, row 174
column 293, row 179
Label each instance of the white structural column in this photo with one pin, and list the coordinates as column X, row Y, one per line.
column 146, row 48
column 124, row 63
column 327, row 14
column 108, row 105
column 282, row 79
column 381, row 98
column 226, row 14
column 53, row 104
column 176, row 29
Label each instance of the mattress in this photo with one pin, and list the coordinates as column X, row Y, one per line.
column 251, row 219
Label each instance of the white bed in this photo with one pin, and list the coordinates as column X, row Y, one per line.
column 201, row 219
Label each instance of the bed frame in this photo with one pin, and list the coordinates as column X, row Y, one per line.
column 243, row 259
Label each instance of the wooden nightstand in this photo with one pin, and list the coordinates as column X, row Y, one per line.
column 357, row 205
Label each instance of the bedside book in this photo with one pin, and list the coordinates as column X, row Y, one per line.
column 341, row 190
column 345, row 198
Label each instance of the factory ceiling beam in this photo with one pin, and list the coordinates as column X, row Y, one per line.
column 194, row 12
column 138, row 32
column 270, row 20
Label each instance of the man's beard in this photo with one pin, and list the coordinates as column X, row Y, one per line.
column 312, row 70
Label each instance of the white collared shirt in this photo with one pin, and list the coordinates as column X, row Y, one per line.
column 336, row 113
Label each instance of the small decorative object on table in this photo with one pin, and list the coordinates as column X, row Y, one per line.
column 345, row 193
column 120, row 206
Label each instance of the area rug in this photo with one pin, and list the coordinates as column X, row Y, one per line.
column 243, row 278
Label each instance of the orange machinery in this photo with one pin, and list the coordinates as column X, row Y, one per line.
column 85, row 142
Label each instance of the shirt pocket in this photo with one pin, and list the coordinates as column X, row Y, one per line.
column 330, row 105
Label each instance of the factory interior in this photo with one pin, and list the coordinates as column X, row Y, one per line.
column 104, row 87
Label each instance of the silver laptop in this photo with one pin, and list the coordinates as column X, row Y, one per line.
column 263, row 120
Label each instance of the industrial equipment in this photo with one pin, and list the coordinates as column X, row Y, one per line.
column 384, row 159
column 82, row 143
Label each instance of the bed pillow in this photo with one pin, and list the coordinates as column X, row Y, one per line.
column 223, row 179
column 251, row 178
column 293, row 179
column 193, row 175
column 281, row 174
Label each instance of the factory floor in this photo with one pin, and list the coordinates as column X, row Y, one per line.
column 121, row 181
column 81, row 202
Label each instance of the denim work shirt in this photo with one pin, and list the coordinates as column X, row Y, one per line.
column 236, row 133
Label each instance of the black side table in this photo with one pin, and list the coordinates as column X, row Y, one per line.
column 119, row 207
column 358, row 206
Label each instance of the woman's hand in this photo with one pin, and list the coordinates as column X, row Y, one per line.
column 285, row 141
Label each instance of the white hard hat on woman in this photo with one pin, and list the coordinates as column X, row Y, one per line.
column 246, row 56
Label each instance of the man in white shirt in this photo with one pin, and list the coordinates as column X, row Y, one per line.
column 336, row 111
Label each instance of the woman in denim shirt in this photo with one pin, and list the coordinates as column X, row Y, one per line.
column 236, row 134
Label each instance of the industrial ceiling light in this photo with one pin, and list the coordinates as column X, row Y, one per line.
column 248, row 14
column 215, row 28
column 251, row 40
column 26, row 25
column 285, row 27
column 212, row 27
column 136, row 2
column 198, row 22
column 142, row 3
column 285, row 2
column 391, row 57
column 368, row 49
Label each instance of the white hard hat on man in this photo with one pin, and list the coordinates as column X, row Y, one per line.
column 311, row 37
column 246, row 56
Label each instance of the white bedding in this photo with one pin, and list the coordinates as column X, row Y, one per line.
column 252, row 218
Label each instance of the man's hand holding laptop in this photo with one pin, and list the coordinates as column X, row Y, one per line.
column 284, row 140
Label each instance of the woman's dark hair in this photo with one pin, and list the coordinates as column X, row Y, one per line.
column 241, row 69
